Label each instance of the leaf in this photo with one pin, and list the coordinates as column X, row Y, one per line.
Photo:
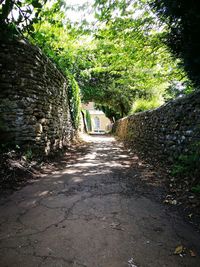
column 192, row 253
column 36, row 4
column 179, row 249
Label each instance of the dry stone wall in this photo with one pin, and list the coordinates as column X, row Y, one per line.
column 165, row 132
column 34, row 106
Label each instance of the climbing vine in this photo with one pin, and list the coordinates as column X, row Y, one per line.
column 74, row 100
column 88, row 120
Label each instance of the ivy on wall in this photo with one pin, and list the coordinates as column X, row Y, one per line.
column 74, row 100
column 88, row 121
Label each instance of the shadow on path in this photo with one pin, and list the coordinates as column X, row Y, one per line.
column 95, row 212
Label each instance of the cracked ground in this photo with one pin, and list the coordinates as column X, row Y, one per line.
column 97, row 211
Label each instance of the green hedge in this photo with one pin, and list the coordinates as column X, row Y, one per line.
column 74, row 100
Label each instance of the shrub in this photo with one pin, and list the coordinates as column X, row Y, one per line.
column 144, row 104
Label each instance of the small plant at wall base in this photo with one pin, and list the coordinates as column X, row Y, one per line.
column 188, row 165
column 184, row 185
column 196, row 189
column 28, row 154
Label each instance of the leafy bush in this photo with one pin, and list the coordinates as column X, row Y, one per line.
column 74, row 100
column 144, row 104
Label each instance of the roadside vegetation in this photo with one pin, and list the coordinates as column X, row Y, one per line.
column 120, row 59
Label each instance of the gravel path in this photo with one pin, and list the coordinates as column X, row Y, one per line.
column 95, row 212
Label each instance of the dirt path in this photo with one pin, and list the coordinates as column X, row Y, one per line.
column 93, row 213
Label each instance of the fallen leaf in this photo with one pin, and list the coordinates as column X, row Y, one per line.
column 179, row 249
column 192, row 253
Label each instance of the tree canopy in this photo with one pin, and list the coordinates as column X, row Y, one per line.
column 120, row 60
column 132, row 62
column 183, row 21
column 20, row 15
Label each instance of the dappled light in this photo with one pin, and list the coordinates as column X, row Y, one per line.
column 98, row 204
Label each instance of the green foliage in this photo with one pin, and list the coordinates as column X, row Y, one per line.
column 188, row 164
column 64, row 43
column 176, row 89
column 74, row 100
column 183, row 20
column 145, row 104
column 119, row 61
column 44, row 27
column 130, row 60
column 196, row 189
column 58, row 43
column 28, row 154
column 109, row 112
column 88, row 120
column 19, row 16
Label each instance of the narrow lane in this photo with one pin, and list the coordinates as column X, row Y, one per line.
column 93, row 213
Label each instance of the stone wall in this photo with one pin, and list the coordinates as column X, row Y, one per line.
column 34, row 106
column 165, row 132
